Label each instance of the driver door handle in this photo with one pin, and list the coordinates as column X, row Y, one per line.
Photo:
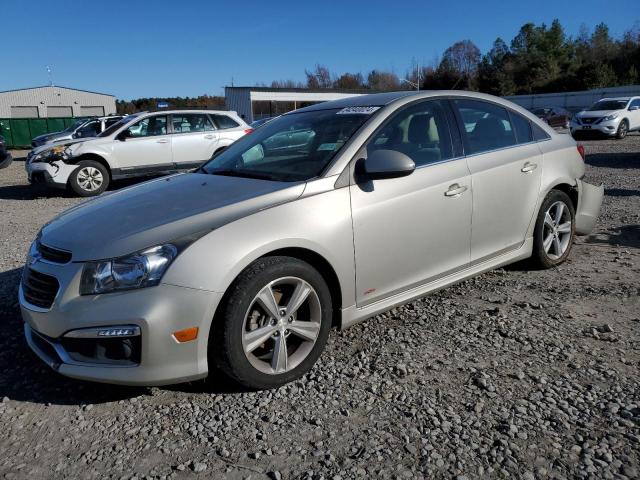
column 529, row 167
column 209, row 136
column 162, row 140
column 455, row 190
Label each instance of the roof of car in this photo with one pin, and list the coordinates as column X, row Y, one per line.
column 374, row 99
column 620, row 99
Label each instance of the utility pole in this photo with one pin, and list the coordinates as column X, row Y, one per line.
column 49, row 75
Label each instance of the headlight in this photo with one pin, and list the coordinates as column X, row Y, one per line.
column 139, row 270
column 613, row 116
column 51, row 154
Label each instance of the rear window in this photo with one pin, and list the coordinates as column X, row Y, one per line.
column 223, row 121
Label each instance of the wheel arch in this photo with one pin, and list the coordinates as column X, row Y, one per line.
column 313, row 258
column 96, row 158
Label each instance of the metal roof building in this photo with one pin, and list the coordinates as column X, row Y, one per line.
column 54, row 101
column 254, row 103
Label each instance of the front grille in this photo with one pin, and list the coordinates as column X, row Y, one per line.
column 589, row 121
column 38, row 288
column 53, row 254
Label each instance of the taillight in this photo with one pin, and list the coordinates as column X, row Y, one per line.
column 247, row 131
column 581, row 151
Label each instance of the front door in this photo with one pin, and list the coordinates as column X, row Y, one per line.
column 194, row 139
column 146, row 146
column 411, row 230
column 506, row 170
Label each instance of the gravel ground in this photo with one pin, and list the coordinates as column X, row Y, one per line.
column 526, row 374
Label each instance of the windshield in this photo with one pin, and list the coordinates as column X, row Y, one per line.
column 608, row 105
column 294, row 147
column 108, row 131
column 74, row 126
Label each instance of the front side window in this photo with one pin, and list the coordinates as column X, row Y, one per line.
column 90, row 129
column 293, row 147
column 635, row 103
column 486, row 126
column 420, row 132
column 118, row 125
column 224, row 121
column 149, row 127
column 191, row 122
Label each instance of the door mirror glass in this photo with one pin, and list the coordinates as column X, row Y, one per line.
column 384, row 163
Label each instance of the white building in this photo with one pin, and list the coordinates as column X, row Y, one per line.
column 254, row 103
column 54, row 101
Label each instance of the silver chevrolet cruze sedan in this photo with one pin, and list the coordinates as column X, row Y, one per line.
column 323, row 217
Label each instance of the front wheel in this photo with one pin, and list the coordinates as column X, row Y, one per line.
column 274, row 323
column 554, row 230
column 89, row 179
column 622, row 131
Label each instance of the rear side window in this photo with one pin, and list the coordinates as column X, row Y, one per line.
column 191, row 122
column 486, row 126
column 539, row 133
column 522, row 128
column 223, row 121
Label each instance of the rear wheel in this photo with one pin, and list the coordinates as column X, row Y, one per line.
column 623, row 129
column 274, row 324
column 89, row 179
column 554, row 230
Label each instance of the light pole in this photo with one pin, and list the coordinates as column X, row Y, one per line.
column 413, row 84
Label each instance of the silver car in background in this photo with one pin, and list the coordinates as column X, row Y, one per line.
column 613, row 117
column 247, row 263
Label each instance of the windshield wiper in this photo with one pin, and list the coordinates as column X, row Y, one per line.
column 242, row 174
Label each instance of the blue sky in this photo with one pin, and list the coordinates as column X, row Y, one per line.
column 160, row 48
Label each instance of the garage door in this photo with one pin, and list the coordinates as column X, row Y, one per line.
column 92, row 111
column 59, row 112
column 24, row 112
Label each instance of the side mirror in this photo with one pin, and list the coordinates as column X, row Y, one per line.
column 634, row 108
column 381, row 164
column 123, row 135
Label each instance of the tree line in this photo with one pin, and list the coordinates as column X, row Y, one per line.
column 539, row 59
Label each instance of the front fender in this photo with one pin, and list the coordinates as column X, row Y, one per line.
column 318, row 223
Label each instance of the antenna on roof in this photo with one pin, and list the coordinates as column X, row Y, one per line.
column 50, row 75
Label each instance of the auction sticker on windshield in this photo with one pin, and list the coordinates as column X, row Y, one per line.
column 357, row 110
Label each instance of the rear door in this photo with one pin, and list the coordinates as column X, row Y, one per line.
column 194, row 139
column 634, row 115
column 146, row 147
column 506, row 171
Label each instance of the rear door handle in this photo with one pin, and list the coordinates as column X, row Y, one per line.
column 455, row 190
column 162, row 140
column 529, row 167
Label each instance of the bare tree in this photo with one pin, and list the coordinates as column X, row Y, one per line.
column 319, row 78
column 463, row 57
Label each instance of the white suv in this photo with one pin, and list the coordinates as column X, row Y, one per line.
column 608, row 116
column 140, row 144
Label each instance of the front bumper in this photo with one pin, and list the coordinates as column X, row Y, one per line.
column 56, row 173
column 608, row 128
column 157, row 311
column 589, row 202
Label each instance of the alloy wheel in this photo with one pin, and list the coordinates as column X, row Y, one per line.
column 557, row 230
column 90, row 179
column 281, row 325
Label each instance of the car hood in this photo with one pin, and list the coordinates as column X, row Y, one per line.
column 596, row 113
column 52, row 144
column 160, row 211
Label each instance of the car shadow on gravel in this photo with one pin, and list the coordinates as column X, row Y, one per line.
column 33, row 192
column 621, row 192
column 614, row 160
column 623, row 236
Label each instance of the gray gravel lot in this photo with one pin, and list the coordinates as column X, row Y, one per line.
column 525, row 374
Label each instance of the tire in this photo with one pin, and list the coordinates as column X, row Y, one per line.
column 4, row 163
column 623, row 129
column 89, row 179
column 242, row 357
column 547, row 252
